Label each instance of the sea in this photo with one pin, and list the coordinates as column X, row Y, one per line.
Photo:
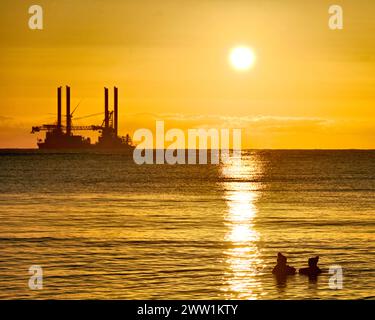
column 99, row 226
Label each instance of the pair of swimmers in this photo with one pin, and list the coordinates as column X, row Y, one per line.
column 282, row 269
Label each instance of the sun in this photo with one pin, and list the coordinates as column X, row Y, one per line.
column 242, row 58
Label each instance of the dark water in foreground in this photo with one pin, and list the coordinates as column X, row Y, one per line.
column 103, row 227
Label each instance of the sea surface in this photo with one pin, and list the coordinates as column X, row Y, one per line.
column 102, row 227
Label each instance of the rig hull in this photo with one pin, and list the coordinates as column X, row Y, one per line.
column 54, row 141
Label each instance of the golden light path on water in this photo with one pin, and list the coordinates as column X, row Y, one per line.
column 242, row 256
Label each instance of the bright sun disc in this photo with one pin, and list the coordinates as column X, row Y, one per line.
column 242, row 58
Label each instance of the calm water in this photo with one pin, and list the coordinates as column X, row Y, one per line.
column 103, row 227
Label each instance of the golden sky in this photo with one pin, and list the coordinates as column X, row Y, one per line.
column 311, row 87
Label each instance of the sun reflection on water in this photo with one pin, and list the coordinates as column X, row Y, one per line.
column 242, row 255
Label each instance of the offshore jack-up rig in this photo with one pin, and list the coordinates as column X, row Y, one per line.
column 59, row 136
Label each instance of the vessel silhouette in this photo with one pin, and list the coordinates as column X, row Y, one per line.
column 61, row 137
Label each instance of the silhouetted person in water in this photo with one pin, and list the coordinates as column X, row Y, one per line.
column 313, row 270
column 282, row 269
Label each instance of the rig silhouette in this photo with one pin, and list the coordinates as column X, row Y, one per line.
column 59, row 136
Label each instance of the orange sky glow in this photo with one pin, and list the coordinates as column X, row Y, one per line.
column 310, row 87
